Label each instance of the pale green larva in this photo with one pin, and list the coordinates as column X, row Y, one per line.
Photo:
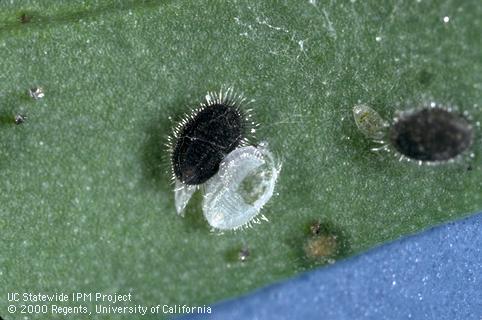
column 369, row 122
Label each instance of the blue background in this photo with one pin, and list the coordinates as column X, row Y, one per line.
column 433, row 275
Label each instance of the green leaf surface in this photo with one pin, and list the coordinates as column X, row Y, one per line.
column 86, row 199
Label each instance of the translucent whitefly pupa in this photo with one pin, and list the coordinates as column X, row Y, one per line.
column 369, row 122
column 244, row 184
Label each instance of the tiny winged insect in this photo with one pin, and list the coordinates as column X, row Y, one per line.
column 430, row 135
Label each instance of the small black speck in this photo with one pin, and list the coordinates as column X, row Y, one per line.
column 20, row 118
column 431, row 134
column 469, row 168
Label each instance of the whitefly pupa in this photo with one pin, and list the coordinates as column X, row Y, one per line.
column 245, row 182
column 429, row 135
column 202, row 139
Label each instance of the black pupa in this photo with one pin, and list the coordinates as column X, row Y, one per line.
column 431, row 134
column 204, row 137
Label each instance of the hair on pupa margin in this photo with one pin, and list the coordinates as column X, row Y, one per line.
column 248, row 225
column 427, row 104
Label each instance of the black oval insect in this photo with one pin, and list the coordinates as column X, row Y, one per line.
column 431, row 134
column 204, row 138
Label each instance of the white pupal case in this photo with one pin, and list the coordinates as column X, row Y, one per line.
column 245, row 182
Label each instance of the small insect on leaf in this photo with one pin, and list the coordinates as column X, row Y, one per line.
column 243, row 254
column 203, row 138
column 431, row 135
column 36, row 93
column 369, row 122
column 20, row 118
column 245, row 183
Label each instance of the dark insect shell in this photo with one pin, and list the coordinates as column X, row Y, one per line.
column 203, row 139
column 431, row 134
